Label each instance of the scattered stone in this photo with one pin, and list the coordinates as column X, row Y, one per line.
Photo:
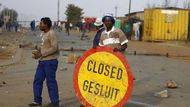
column 4, row 82
column 24, row 45
column 63, row 69
column 73, row 59
column 28, row 82
column 171, row 84
column 1, row 85
column 6, row 92
column 1, row 72
column 162, row 94
column 163, row 69
column 3, row 47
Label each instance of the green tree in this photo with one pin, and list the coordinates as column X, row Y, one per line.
column 74, row 13
column 9, row 12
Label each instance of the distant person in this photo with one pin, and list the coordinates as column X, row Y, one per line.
column 136, row 28
column 1, row 25
column 67, row 28
column 80, row 26
column 70, row 26
column 62, row 26
column 83, row 30
column 59, row 26
column 128, row 29
column 8, row 26
column 100, row 27
column 55, row 25
column 47, row 66
column 113, row 37
column 16, row 25
column 33, row 25
column 141, row 31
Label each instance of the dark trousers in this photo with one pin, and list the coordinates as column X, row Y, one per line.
column 46, row 70
column 128, row 34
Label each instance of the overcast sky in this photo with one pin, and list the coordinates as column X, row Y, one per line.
column 35, row 9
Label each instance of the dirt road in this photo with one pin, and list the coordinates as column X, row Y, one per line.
column 151, row 73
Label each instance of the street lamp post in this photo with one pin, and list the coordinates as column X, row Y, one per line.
column 116, row 11
column 58, row 4
column 0, row 6
column 129, row 8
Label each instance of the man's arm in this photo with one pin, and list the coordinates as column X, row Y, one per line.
column 123, row 47
column 123, row 40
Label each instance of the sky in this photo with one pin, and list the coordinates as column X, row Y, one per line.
column 35, row 9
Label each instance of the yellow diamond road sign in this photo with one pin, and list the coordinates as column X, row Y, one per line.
column 103, row 78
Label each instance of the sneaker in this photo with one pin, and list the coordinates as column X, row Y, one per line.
column 34, row 104
column 52, row 105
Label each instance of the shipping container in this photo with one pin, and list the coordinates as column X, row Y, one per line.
column 162, row 24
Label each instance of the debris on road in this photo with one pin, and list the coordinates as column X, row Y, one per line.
column 171, row 84
column 28, row 82
column 3, row 47
column 26, row 45
column 73, row 59
column 4, row 82
column 1, row 72
column 162, row 94
column 63, row 69
column 163, row 69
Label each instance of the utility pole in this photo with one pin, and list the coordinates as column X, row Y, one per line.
column 129, row 8
column 58, row 5
column 0, row 6
column 116, row 11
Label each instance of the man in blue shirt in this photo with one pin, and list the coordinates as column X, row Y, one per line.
column 33, row 25
column 100, row 26
column 16, row 25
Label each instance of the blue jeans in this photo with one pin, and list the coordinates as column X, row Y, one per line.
column 46, row 70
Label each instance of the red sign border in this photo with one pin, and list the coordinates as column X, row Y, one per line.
column 102, row 49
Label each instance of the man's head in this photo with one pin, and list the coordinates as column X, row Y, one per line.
column 45, row 24
column 109, row 21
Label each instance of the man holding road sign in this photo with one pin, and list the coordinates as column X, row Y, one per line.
column 102, row 76
column 113, row 37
